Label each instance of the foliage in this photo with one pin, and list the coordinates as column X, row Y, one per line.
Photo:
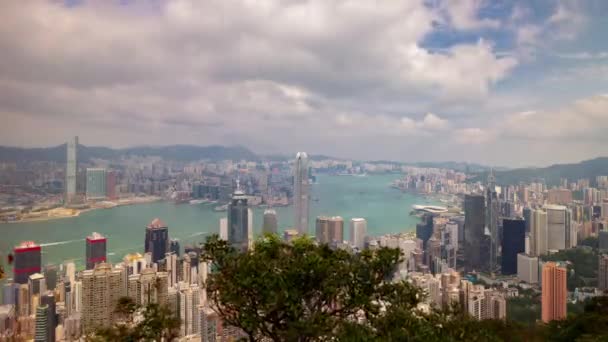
column 157, row 323
column 591, row 241
column 304, row 292
column 584, row 262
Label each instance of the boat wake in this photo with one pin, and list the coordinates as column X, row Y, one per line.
column 49, row 244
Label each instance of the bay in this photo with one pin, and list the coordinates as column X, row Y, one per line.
column 386, row 210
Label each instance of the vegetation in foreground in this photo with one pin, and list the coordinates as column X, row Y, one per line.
column 305, row 292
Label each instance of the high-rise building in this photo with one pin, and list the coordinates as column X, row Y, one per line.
column 157, row 239
column 71, row 170
column 290, row 234
column 210, row 325
column 238, row 220
column 554, row 292
column 538, row 233
column 148, row 287
column 48, row 299
column 101, row 289
column 602, row 237
column 474, row 224
column 28, row 260
column 358, row 232
column 336, row 229
column 224, row 228
column 174, row 247
column 270, row 224
column 513, row 243
column 37, row 284
column 527, row 268
column 492, row 213
column 322, row 229
column 111, row 185
column 424, row 229
column 556, row 226
column 42, row 324
column 95, row 250
column 96, row 183
column 301, row 188
column 50, row 274
column 527, row 214
column 602, row 280
column 188, row 298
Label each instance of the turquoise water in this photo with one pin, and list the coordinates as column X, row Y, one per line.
column 387, row 211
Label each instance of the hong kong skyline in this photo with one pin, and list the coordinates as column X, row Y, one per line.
column 511, row 83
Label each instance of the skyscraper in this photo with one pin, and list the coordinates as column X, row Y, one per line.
column 301, row 197
column 48, row 299
column 157, row 239
column 270, row 221
column 322, row 229
column 95, row 250
column 70, row 170
column 336, row 229
column 424, row 229
column 538, row 233
column 527, row 213
column 96, row 183
column 238, row 220
column 513, row 243
column 602, row 281
column 554, row 292
column 556, row 226
column 111, row 185
column 492, row 211
column 101, row 289
column 174, row 247
column 358, row 231
column 474, row 223
column 42, row 324
column 148, row 287
column 28, row 260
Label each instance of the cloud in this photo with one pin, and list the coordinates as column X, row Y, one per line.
column 472, row 136
column 464, row 15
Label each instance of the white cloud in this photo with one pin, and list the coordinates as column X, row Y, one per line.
column 464, row 15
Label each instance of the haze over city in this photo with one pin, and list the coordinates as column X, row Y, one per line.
column 508, row 83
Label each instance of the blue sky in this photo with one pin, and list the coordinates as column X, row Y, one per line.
column 498, row 82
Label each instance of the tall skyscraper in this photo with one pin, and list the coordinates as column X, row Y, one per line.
column 358, row 232
column 28, row 260
column 336, row 229
column 48, row 299
column 538, row 233
column 474, row 224
column 602, row 281
column 301, row 197
column 492, row 212
column 224, row 228
column 148, row 287
column 101, row 289
column 42, row 324
column 527, row 213
column 111, row 185
column 270, row 224
column 157, row 239
column 527, row 268
column 513, row 243
column 556, row 226
column 424, row 229
column 95, row 250
column 96, row 183
column 238, row 220
column 554, row 292
column 322, row 229
column 70, row 170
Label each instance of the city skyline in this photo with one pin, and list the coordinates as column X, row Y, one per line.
column 477, row 81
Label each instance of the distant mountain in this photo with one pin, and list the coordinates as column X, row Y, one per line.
column 85, row 153
column 552, row 174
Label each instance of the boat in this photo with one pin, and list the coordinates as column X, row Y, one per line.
column 198, row 201
column 221, row 208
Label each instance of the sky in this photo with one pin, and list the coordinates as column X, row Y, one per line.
column 510, row 83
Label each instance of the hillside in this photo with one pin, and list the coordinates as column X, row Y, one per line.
column 85, row 153
column 552, row 174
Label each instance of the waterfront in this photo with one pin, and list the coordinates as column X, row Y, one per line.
column 386, row 209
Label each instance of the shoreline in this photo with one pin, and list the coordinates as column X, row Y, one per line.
column 77, row 212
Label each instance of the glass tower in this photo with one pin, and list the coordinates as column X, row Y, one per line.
column 301, row 190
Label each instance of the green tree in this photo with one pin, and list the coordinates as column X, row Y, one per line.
column 304, row 292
